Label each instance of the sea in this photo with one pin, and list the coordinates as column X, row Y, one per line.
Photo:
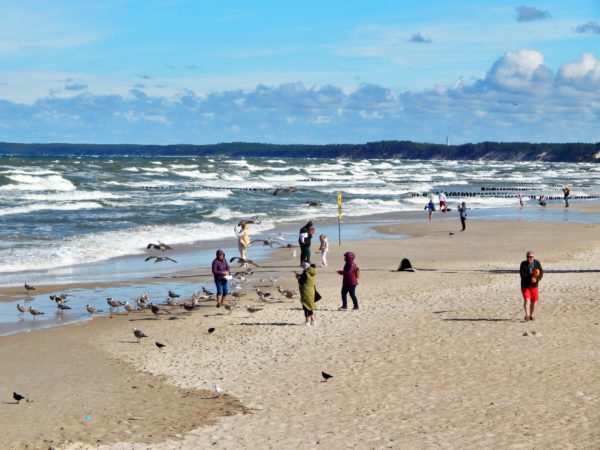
column 66, row 220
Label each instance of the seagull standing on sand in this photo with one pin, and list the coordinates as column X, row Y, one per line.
column 29, row 287
column 139, row 334
column 252, row 309
column 326, row 375
column 219, row 390
column 114, row 303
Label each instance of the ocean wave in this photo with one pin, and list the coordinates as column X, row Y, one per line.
column 155, row 169
column 32, row 171
column 131, row 169
column 50, row 207
column 197, row 174
column 73, row 196
column 38, row 183
column 208, row 194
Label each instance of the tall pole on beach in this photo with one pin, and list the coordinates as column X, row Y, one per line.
column 339, row 219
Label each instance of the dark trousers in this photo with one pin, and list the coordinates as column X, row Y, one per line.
column 304, row 253
column 463, row 221
column 307, row 312
column 352, row 291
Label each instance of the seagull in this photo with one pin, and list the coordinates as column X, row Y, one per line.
column 114, row 303
column 229, row 306
column 189, row 308
column 252, row 309
column 293, row 253
column 263, row 296
column 35, row 312
column 171, row 302
column 219, row 390
column 326, row 375
column 173, row 294
column 128, row 307
column 243, row 261
column 288, row 293
column 267, row 242
column 139, row 334
column 18, row 397
column 285, row 189
column 206, row 291
column 160, row 246
column 248, row 221
column 160, row 259
column 155, row 310
column 29, row 287
column 62, row 298
column 159, row 345
column 62, row 306
column 21, row 308
column 91, row 309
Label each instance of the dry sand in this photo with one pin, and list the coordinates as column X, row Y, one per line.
column 435, row 358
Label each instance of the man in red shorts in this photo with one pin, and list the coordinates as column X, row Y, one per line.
column 531, row 273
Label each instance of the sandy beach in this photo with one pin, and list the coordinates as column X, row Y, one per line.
column 437, row 358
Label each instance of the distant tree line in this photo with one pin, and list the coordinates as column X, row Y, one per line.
column 502, row 151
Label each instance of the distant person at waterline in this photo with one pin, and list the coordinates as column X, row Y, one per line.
column 543, row 200
column 521, row 200
column 462, row 210
column 442, row 199
column 430, row 207
column 566, row 194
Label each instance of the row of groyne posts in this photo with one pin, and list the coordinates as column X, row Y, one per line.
column 523, row 188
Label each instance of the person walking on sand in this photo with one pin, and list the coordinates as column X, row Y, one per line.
column 521, row 200
column 304, row 239
column 220, row 270
column 442, row 199
column 350, row 274
column 430, row 207
column 324, row 248
column 462, row 210
column 531, row 273
column 306, row 286
column 241, row 231
column 566, row 194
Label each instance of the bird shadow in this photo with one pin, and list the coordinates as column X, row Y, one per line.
column 142, row 318
column 128, row 342
column 10, row 403
column 476, row 319
column 271, row 324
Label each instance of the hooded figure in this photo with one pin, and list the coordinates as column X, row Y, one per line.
column 306, row 285
column 350, row 274
column 220, row 270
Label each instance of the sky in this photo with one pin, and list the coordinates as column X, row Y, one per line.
column 310, row 72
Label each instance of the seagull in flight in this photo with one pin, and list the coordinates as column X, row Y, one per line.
column 160, row 246
column 243, row 261
column 160, row 259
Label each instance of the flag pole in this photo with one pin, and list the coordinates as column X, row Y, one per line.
column 339, row 201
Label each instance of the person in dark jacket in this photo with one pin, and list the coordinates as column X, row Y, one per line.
column 220, row 270
column 531, row 273
column 350, row 274
column 462, row 210
column 304, row 239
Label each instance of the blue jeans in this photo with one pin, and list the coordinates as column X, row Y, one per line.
column 352, row 291
column 222, row 286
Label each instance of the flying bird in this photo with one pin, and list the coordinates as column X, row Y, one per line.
column 160, row 259
column 211, row 330
column 18, row 397
column 243, row 261
column 252, row 309
column 29, row 287
column 139, row 334
column 268, row 242
column 160, row 246
column 159, row 345
column 35, row 312
column 284, row 189
column 326, row 375
column 249, row 221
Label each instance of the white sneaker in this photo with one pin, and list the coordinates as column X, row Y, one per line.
column 314, row 323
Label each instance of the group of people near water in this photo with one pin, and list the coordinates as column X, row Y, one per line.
column 306, row 279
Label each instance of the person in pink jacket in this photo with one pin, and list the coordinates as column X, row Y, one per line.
column 350, row 274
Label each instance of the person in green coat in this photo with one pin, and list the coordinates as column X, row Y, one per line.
column 306, row 285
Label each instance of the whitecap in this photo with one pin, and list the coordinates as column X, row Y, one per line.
column 50, row 207
column 38, row 183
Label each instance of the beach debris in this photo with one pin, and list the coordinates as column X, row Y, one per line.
column 405, row 265
column 173, row 294
column 91, row 309
column 326, row 376
column 252, row 309
column 219, row 390
column 243, row 261
column 29, row 287
column 159, row 345
column 18, row 397
column 160, row 246
column 211, row 330
column 525, row 333
column 160, row 259
column 284, row 189
column 139, row 334
column 35, row 312
column 21, row 308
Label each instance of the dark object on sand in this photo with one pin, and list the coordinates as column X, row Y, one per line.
column 29, row 287
column 18, row 397
column 159, row 345
column 405, row 265
column 326, row 375
column 211, row 330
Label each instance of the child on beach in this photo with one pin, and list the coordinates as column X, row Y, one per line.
column 306, row 286
column 350, row 274
column 324, row 248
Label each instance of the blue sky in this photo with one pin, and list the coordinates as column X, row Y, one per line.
column 200, row 72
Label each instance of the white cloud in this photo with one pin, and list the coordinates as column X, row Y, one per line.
column 583, row 74
column 518, row 71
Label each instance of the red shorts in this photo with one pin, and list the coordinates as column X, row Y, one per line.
column 530, row 293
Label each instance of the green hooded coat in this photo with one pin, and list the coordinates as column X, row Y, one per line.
column 306, row 284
